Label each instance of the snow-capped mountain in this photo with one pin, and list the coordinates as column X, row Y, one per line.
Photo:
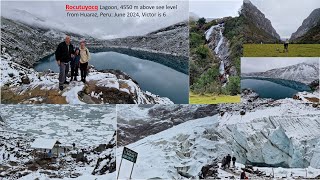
column 27, row 44
column 305, row 72
column 283, row 133
column 137, row 122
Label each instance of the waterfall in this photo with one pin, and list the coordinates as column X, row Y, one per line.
column 216, row 50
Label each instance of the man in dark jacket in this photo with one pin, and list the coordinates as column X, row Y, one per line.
column 228, row 160
column 64, row 53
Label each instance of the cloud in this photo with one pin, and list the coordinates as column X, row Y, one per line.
column 215, row 8
column 286, row 16
column 53, row 15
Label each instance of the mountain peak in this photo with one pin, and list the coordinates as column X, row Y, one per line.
column 257, row 19
column 310, row 22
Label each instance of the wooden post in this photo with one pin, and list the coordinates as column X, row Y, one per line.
column 272, row 173
column 306, row 173
column 131, row 171
column 119, row 169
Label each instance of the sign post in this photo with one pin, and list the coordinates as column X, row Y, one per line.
column 129, row 155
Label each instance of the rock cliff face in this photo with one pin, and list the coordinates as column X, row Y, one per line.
column 309, row 31
column 257, row 27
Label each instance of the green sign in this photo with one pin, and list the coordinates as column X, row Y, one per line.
column 129, row 155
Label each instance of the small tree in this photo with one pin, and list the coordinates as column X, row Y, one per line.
column 201, row 21
column 233, row 87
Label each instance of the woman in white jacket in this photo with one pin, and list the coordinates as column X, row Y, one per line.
column 84, row 59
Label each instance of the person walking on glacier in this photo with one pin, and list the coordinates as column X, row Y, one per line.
column 234, row 161
column 223, row 162
column 228, row 160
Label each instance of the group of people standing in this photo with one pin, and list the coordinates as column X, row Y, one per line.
column 226, row 161
column 78, row 58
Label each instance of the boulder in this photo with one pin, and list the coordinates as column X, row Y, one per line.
column 25, row 80
column 106, row 164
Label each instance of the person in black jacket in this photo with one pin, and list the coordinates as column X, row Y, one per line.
column 228, row 160
column 234, row 161
column 64, row 53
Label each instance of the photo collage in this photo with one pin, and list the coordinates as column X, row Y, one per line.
column 198, row 89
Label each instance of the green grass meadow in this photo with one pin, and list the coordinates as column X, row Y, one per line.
column 212, row 99
column 277, row 50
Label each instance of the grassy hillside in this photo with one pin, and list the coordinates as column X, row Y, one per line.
column 276, row 50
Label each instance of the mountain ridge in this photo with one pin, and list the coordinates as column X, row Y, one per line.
column 306, row 29
column 304, row 72
column 257, row 27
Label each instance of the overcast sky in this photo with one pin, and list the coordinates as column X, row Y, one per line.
column 286, row 16
column 215, row 8
column 263, row 64
column 53, row 14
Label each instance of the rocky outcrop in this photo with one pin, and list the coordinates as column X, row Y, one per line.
column 314, row 85
column 107, row 161
column 209, row 171
column 257, row 27
column 310, row 22
column 1, row 121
